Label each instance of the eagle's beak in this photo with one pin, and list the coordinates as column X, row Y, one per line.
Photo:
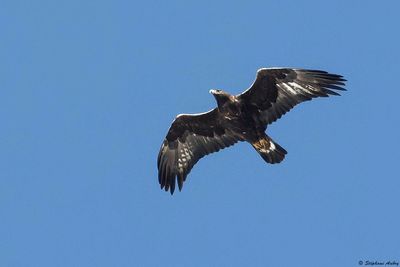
column 212, row 92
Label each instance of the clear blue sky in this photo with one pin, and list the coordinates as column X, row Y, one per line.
column 88, row 92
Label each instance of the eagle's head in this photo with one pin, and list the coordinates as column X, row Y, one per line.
column 221, row 96
column 219, row 93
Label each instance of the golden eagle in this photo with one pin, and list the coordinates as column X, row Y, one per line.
column 243, row 117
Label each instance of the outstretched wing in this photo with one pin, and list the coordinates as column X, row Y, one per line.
column 277, row 90
column 190, row 138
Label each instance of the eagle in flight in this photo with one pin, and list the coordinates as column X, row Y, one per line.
column 242, row 117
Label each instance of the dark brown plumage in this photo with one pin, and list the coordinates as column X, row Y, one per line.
column 243, row 117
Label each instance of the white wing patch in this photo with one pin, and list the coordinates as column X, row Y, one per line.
column 292, row 90
column 185, row 155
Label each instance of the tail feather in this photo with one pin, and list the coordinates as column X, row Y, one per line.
column 270, row 151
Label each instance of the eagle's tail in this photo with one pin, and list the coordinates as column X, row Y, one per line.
column 270, row 151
